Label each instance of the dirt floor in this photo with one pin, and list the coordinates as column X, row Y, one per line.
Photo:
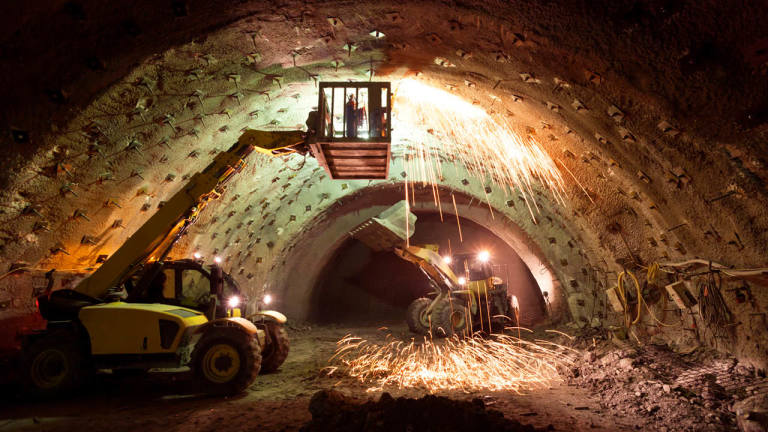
column 280, row 401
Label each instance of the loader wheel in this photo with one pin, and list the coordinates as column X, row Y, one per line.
column 417, row 317
column 226, row 361
column 449, row 318
column 507, row 318
column 276, row 352
column 53, row 366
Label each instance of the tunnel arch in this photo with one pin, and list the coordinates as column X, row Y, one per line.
column 227, row 26
column 331, row 231
column 360, row 285
column 672, row 150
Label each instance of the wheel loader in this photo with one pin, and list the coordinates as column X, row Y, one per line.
column 467, row 295
column 160, row 323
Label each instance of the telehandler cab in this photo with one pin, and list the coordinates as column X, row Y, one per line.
column 88, row 328
column 214, row 292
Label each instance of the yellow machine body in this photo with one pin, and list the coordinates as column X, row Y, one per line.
column 427, row 257
column 429, row 261
column 239, row 322
column 135, row 328
column 242, row 323
column 477, row 291
column 269, row 315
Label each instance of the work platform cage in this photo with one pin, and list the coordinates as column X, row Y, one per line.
column 354, row 133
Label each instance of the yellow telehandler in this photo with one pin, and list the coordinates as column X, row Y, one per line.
column 156, row 327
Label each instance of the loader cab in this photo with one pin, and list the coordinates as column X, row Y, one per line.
column 478, row 273
column 469, row 266
column 187, row 283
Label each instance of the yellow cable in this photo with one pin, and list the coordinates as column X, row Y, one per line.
column 653, row 274
column 653, row 271
column 654, row 316
column 639, row 297
column 628, row 321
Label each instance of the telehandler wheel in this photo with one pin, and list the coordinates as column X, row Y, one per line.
column 53, row 365
column 276, row 352
column 449, row 318
column 226, row 361
column 417, row 317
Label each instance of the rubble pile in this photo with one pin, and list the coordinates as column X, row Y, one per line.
column 332, row 411
column 699, row 391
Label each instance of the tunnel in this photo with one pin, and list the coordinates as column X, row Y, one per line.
column 602, row 165
column 363, row 285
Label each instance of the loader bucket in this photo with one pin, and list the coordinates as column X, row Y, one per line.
column 388, row 230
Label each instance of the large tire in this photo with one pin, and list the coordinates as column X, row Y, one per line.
column 53, row 365
column 416, row 316
column 226, row 361
column 277, row 351
column 449, row 318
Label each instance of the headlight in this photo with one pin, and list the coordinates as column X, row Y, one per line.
column 447, row 259
column 267, row 299
column 233, row 302
column 462, row 280
column 483, row 256
column 197, row 255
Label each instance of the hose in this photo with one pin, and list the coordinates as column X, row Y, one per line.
column 653, row 271
column 717, row 266
column 628, row 322
column 712, row 307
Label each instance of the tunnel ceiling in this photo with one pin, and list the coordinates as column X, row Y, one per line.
column 655, row 113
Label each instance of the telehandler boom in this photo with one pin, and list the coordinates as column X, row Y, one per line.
column 88, row 330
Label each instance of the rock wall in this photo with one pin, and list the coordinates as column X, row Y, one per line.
column 654, row 113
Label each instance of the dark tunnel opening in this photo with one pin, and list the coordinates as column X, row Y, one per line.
column 361, row 286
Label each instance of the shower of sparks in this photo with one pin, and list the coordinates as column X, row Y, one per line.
column 499, row 362
column 466, row 134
